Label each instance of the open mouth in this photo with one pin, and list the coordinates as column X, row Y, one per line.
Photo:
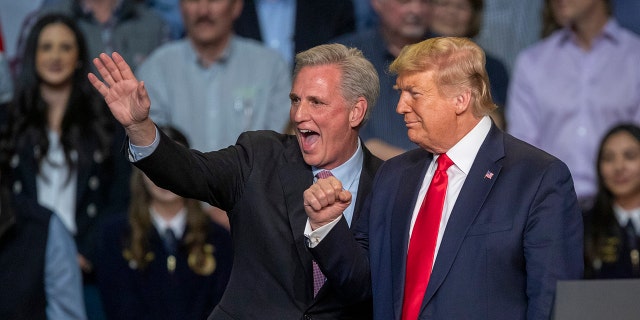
column 308, row 138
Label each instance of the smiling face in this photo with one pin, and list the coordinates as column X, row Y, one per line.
column 56, row 55
column 430, row 116
column 325, row 123
column 620, row 166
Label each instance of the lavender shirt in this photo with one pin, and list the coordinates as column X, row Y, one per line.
column 563, row 99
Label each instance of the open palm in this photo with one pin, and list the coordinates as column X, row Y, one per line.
column 125, row 95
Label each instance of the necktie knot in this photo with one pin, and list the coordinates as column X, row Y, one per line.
column 324, row 174
column 444, row 162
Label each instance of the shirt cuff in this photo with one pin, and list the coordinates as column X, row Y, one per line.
column 137, row 153
column 315, row 236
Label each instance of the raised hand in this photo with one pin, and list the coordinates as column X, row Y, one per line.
column 126, row 96
column 325, row 201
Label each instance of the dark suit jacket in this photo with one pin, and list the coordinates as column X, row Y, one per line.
column 260, row 182
column 509, row 238
column 317, row 22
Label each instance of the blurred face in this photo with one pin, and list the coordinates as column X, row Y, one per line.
column 159, row 195
column 324, row 120
column 620, row 165
column 56, row 55
column 451, row 17
column 429, row 116
column 403, row 18
column 209, row 21
column 569, row 12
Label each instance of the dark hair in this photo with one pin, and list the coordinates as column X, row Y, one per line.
column 86, row 124
column 601, row 217
column 477, row 7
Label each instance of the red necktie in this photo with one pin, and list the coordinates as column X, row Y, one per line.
column 422, row 244
column 318, row 276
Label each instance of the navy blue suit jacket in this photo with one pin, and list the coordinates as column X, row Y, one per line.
column 509, row 238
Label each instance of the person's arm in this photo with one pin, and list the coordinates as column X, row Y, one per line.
column 62, row 277
column 342, row 259
column 126, row 97
column 553, row 240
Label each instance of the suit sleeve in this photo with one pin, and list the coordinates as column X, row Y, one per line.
column 553, row 240
column 344, row 259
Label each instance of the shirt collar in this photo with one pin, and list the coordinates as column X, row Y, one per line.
column 193, row 55
column 464, row 152
column 348, row 170
column 177, row 223
column 623, row 216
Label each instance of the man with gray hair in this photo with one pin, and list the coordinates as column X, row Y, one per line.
column 260, row 180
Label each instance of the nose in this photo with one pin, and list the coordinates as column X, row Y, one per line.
column 299, row 112
column 402, row 107
column 203, row 7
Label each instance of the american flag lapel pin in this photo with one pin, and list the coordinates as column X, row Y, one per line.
column 488, row 175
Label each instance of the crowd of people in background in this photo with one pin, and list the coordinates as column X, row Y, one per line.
column 564, row 75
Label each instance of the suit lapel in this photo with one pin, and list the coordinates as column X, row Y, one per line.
column 370, row 165
column 472, row 196
column 295, row 177
column 405, row 201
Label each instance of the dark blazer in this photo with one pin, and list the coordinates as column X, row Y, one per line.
column 155, row 293
column 260, row 182
column 102, row 188
column 515, row 230
column 24, row 230
column 316, row 23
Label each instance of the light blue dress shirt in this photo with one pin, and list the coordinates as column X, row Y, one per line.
column 62, row 277
column 349, row 175
column 246, row 89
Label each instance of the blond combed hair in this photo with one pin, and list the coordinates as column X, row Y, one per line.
column 458, row 65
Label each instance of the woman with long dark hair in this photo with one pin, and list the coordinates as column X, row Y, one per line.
column 66, row 143
column 612, row 226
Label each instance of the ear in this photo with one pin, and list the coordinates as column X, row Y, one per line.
column 462, row 102
column 358, row 111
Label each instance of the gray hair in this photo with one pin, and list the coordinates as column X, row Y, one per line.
column 359, row 77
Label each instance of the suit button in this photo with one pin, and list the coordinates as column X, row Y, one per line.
column 17, row 187
column 94, row 183
column 98, row 157
column 307, row 317
column 15, row 161
column 92, row 210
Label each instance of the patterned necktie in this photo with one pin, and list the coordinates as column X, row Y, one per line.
column 318, row 276
column 422, row 244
